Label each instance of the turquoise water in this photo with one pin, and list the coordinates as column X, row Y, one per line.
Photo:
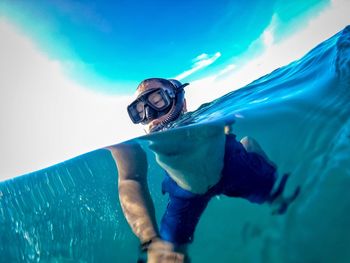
column 299, row 114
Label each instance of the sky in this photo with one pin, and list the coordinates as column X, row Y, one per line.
column 68, row 69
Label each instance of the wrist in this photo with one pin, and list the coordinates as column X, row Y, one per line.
column 143, row 258
column 146, row 243
column 147, row 233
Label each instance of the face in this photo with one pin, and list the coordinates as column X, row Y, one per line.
column 156, row 99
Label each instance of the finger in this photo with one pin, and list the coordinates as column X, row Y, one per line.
column 174, row 257
column 165, row 257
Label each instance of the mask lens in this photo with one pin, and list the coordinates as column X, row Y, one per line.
column 137, row 111
column 140, row 107
column 158, row 99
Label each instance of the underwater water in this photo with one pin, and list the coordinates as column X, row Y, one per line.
column 300, row 114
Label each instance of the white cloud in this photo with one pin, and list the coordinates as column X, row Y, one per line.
column 45, row 117
column 201, row 57
column 200, row 62
column 268, row 38
column 227, row 69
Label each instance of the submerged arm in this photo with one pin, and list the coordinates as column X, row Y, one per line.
column 134, row 196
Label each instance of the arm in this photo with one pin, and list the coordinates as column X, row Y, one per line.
column 137, row 204
column 134, row 196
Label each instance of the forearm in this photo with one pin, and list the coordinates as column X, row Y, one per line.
column 138, row 208
column 134, row 196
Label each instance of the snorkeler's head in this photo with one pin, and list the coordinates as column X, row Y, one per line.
column 158, row 102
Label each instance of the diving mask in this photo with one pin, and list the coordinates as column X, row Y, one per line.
column 151, row 104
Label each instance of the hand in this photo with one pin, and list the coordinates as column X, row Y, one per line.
column 161, row 251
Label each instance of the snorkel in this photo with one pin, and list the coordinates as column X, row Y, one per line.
column 175, row 112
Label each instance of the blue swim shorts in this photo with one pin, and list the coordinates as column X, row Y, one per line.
column 245, row 175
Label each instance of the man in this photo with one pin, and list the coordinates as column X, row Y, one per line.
column 237, row 169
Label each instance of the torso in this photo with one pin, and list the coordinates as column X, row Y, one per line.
column 193, row 158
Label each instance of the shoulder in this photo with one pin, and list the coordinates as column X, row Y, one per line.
column 130, row 159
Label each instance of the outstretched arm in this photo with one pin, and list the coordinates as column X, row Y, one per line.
column 134, row 196
column 137, row 204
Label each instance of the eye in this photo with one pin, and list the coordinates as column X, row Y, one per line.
column 139, row 107
column 156, row 100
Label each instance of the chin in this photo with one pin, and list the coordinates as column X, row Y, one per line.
column 148, row 128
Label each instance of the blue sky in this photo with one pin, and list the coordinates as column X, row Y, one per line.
column 119, row 43
column 68, row 69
